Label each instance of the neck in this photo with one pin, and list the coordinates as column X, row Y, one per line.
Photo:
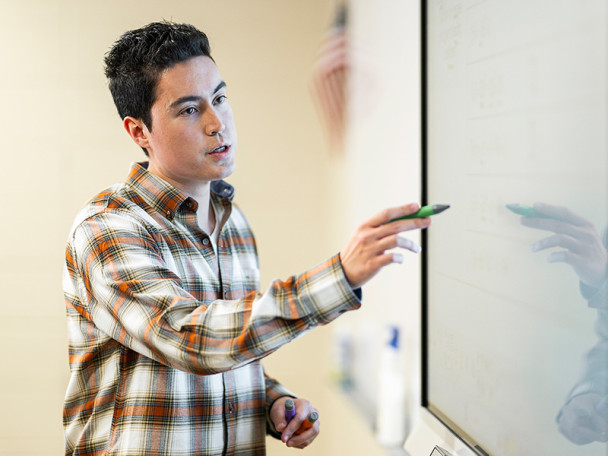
column 205, row 216
column 198, row 191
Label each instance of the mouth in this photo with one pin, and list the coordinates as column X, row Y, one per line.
column 222, row 149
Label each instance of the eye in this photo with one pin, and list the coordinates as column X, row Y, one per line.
column 220, row 99
column 189, row 111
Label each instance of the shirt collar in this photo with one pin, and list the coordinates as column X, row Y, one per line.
column 164, row 197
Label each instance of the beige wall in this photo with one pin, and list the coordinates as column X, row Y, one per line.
column 383, row 164
column 62, row 141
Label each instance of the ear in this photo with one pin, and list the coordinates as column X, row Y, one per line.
column 137, row 131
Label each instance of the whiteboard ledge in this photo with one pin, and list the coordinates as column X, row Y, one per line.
column 428, row 432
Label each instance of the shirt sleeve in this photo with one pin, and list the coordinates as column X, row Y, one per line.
column 595, row 374
column 594, row 378
column 119, row 280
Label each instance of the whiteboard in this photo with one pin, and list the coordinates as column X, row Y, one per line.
column 516, row 112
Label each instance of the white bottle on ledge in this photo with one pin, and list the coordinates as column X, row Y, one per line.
column 390, row 414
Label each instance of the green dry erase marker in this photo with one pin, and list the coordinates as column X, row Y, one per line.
column 424, row 211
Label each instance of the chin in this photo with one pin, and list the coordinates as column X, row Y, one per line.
column 226, row 171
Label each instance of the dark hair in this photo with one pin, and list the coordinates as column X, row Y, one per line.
column 134, row 63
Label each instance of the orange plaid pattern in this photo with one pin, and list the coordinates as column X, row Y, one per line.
column 166, row 334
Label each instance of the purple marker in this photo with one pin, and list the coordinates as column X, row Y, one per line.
column 290, row 410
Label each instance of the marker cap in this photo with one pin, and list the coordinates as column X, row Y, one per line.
column 289, row 405
column 314, row 416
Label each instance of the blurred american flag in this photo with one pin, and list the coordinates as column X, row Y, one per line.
column 329, row 80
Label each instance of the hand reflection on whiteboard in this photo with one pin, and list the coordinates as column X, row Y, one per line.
column 584, row 417
column 580, row 243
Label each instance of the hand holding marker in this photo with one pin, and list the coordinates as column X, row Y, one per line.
column 290, row 412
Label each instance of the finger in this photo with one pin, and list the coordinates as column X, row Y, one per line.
column 591, row 421
column 395, row 241
column 302, row 445
column 557, row 240
column 389, row 214
column 280, row 426
column 574, row 424
column 302, row 440
column 564, row 256
column 560, row 213
column 557, row 226
column 291, row 428
column 385, row 259
column 401, row 226
column 576, row 433
column 305, row 438
column 277, row 414
column 296, row 422
column 408, row 244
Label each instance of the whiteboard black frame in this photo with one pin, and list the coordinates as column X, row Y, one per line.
column 434, row 411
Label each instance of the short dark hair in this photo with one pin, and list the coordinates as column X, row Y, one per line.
column 134, row 63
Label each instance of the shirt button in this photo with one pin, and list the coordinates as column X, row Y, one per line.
column 205, row 241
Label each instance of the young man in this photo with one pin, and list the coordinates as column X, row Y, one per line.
column 167, row 325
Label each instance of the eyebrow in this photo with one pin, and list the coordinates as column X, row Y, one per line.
column 187, row 98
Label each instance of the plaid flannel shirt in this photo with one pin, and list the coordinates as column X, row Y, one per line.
column 166, row 334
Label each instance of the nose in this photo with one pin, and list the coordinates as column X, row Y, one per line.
column 213, row 122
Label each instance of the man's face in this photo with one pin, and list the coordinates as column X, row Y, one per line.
column 193, row 139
